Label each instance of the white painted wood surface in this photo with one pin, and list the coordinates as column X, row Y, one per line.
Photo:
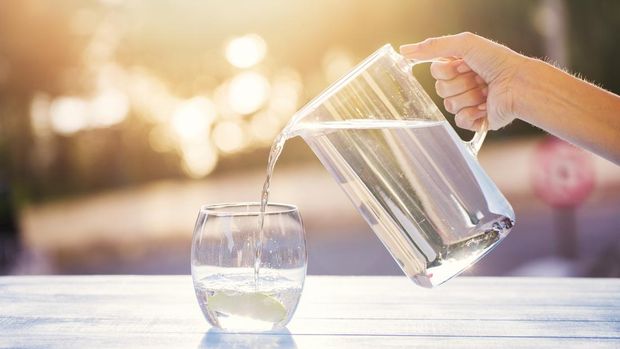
column 335, row 312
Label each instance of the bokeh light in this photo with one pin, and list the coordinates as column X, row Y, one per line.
column 39, row 115
column 264, row 127
column 228, row 136
column 336, row 63
column 69, row 115
column 246, row 51
column 199, row 158
column 109, row 107
column 247, row 92
column 285, row 93
column 192, row 118
column 150, row 96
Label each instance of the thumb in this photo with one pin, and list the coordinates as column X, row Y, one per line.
column 445, row 46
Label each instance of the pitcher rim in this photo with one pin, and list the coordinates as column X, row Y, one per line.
column 337, row 85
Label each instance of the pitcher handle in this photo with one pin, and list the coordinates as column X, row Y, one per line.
column 475, row 143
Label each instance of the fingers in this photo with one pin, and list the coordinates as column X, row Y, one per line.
column 487, row 58
column 446, row 46
column 461, row 83
column 448, row 70
column 464, row 92
column 470, row 98
column 470, row 118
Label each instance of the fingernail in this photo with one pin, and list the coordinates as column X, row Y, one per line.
column 463, row 68
column 409, row 48
column 482, row 106
column 479, row 79
column 485, row 91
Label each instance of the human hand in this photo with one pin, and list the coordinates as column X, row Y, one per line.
column 480, row 79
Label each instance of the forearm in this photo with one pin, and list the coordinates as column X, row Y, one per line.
column 570, row 108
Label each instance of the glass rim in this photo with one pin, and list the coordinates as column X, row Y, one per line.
column 253, row 208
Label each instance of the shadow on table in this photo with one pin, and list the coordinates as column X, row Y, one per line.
column 215, row 338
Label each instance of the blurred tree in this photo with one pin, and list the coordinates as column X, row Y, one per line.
column 36, row 48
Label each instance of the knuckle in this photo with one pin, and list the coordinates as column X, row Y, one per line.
column 430, row 42
column 467, row 36
column 468, row 40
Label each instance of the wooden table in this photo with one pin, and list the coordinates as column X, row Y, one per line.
column 338, row 312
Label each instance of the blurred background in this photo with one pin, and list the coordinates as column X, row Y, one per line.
column 119, row 119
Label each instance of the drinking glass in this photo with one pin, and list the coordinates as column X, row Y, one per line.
column 225, row 242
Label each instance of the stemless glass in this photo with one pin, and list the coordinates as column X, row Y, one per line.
column 224, row 246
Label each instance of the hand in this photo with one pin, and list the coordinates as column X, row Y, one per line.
column 480, row 78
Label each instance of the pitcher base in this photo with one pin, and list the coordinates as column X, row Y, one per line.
column 458, row 257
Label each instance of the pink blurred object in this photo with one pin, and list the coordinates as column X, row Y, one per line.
column 562, row 175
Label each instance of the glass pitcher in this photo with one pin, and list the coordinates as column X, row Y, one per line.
column 415, row 182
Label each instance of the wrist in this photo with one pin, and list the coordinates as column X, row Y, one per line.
column 526, row 85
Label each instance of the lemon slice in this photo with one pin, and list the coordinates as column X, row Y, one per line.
column 258, row 306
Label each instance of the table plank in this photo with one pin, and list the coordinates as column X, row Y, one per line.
column 161, row 311
column 296, row 341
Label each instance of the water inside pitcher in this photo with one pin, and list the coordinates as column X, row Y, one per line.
column 415, row 182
